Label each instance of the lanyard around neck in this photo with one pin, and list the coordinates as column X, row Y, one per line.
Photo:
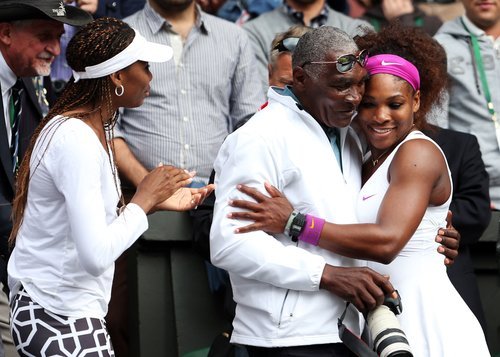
column 482, row 75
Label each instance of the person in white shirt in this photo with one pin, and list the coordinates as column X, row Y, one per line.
column 289, row 297
column 67, row 229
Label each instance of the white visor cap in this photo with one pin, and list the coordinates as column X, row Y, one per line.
column 139, row 49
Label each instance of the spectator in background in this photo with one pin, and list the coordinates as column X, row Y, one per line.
column 118, row 8
column 339, row 5
column 380, row 12
column 472, row 45
column 61, row 72
column 311, row 13
column 29, row 42
column 470, row 207
column 280, row 59
column 238, row 11
column 186, row 119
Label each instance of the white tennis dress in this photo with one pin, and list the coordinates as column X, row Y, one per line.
column 435, row 319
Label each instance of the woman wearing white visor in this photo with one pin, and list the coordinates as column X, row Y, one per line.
column 67, row 228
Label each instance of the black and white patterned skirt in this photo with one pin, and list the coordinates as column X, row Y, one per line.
column 38, row 332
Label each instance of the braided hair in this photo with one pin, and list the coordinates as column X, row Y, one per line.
column 94, row 43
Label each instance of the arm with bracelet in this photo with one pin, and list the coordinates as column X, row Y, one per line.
column 273, row 214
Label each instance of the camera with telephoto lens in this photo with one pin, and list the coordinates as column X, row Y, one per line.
column 389, row 340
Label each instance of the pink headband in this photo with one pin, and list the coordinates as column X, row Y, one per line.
column 395, row 65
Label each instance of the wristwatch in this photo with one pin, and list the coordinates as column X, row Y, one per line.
column 297, row 226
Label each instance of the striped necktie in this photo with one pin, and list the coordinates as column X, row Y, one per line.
column 15, row 111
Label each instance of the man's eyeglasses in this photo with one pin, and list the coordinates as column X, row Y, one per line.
column 345, row 62
column 287, row 44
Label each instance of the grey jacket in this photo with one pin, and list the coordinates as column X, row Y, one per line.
column 264, row 28
column 467, row 104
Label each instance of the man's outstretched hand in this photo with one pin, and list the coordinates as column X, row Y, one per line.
column 449, row 238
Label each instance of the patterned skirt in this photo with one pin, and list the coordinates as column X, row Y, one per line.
column 39, row 333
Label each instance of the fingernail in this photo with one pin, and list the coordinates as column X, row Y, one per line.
column 230, row 202
column 238, row 187
column 441, row 231
column 439, row 239
column 237, row 230
column 440, row 249
column 229, row 215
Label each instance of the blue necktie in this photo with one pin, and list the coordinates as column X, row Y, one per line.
column 15, row 111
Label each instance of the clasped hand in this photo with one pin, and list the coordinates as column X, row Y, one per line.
column 164, row 189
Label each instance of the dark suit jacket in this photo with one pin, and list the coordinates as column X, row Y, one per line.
column 118, row 8
column 31, row 117
column 470, row 206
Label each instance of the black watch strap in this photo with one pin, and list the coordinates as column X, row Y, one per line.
column 298, row 224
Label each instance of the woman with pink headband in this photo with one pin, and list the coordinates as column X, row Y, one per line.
column 404, row 200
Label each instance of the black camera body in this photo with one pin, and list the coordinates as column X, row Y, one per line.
column 389, row 340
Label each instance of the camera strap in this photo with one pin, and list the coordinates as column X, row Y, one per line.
column 351, row 341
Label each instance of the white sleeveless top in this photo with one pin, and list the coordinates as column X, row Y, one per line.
column 436, row 320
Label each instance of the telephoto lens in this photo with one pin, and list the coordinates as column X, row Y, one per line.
column 389, row 340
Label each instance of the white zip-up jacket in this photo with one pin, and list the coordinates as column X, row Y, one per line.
column 275, row 281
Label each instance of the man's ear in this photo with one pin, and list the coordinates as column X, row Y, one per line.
column 269, row 71
column 299, row 78
column 5, row 33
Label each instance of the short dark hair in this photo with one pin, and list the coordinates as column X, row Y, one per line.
column 317, row 44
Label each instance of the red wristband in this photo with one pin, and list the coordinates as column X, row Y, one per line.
column 312, row 230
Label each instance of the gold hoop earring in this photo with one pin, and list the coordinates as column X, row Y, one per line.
column 119, row 90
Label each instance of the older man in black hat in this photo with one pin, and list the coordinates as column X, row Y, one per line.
column 29, row 41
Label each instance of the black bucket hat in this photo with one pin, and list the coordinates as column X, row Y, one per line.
column 11, row 10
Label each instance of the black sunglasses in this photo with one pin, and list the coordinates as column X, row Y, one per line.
column 345, row 62
column 287, row 44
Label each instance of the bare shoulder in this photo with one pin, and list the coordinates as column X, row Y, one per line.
column 419, row 157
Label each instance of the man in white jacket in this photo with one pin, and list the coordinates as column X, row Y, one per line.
column 289, row 295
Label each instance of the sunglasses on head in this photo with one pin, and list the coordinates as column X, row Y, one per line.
column 287, row 44
column 345, row 62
